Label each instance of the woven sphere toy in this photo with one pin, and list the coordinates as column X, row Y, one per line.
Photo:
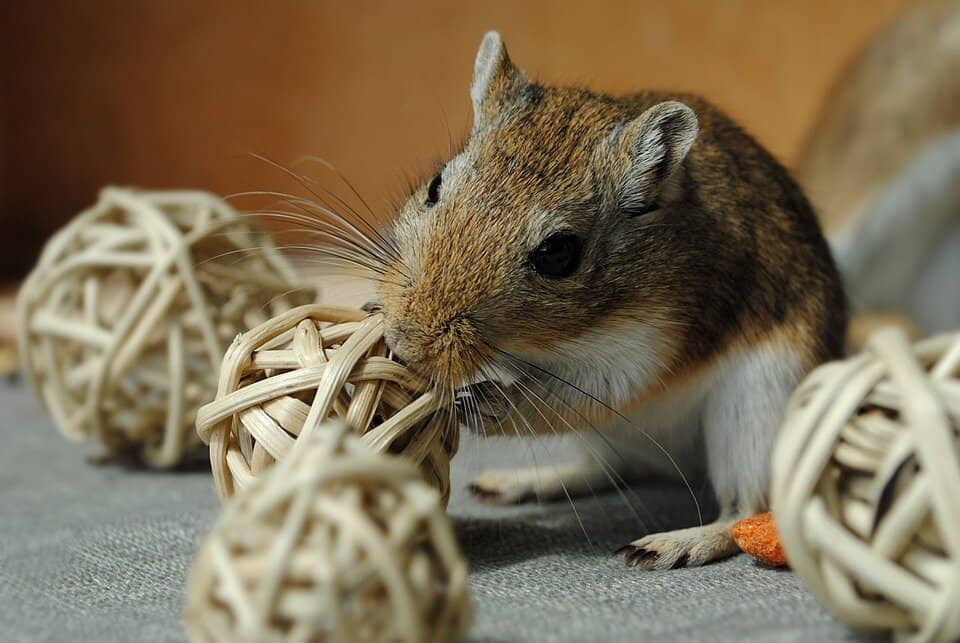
column 866, row 486
column 126, row 316
column 281, row 380
column 335, row 543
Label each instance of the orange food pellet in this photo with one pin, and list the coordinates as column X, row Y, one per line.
column 758, row 537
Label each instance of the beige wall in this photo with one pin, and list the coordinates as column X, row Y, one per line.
column 176, row 93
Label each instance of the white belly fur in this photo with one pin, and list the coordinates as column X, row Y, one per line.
column 725, row 421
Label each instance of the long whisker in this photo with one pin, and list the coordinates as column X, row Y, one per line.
column 609, row 471
column 330, row 166
column 341, row 243
column 446, row 126
column 330, row 260
column 309, row 213
column 617, row 481
column 367, row 271
column 533, row 455
column 307, row 184
column 338, row 252
column 339, row 268
column 312, row 222
column 343, row 179
column 281, row 295
column 615, row 412
column 536, row 466
column 562, row 485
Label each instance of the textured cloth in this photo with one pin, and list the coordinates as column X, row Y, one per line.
column 101, row 553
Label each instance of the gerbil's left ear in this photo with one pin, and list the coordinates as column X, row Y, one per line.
column 656, row 142
column 495, row 79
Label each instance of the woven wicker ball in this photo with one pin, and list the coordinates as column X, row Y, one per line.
column 335, row 543
column 125, row 318
column 285, row 377
column 866, row 486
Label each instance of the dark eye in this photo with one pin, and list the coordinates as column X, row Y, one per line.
column 558, row 255
column 640, row 210
column 433, row 191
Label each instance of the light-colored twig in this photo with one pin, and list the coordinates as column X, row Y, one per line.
column 281, row 380
column 125, row 318
column 336, row 543
column 866, row 486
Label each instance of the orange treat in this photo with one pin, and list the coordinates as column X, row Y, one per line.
column 758, row 537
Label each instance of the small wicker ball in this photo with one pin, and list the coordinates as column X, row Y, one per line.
column 125, row 318
column 286, row 377
column 866, row 486
column 335, row 543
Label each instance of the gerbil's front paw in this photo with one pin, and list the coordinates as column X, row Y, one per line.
column 681, row 548
column 511, row 486
column 506, row 486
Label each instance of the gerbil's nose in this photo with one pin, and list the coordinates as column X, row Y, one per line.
column 397, row 338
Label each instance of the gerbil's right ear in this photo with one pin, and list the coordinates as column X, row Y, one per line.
column 656, row 142
column 495, row 79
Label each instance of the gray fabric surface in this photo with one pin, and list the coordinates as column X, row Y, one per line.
column 101, row 553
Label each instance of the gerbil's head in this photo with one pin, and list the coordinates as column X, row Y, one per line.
column 538, row 231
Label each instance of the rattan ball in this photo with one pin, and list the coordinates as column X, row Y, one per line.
column 281, row 380
column 335, row 543
column 125, row 318
column 866, row 486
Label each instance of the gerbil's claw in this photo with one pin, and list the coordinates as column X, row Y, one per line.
column 625, row 550
column 681, row 548
column 371, row 307
column 634, row 556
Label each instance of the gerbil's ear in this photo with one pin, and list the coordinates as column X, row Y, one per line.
column 495, row 79
column 656, row 142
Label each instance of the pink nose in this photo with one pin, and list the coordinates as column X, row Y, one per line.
column 399, row 342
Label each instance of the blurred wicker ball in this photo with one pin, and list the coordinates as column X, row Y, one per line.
column 285, row 377
column 125, row 318
column 866, row 486
column 336, row 543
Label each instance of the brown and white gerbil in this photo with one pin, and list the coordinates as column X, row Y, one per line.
column 641, row 251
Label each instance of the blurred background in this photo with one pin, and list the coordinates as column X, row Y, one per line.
column 179, row 93
column 860, row 99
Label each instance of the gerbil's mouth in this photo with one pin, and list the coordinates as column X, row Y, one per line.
column 482, row 405
column 485, row 401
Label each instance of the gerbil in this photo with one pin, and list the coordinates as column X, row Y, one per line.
column 643, row 252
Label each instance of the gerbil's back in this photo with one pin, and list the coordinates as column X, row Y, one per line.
column 763, row 261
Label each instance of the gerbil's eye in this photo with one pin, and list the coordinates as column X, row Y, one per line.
column 640, row 210
column 558, row 255
column 433, row 191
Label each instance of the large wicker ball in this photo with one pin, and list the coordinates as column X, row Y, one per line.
column 336, row 543
column 125, row 318
column 285, row 377
column 866, row 486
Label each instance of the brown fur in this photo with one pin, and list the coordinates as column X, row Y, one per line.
column 733, row 254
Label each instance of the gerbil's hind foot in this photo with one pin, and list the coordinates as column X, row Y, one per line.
column 681, row 548
column 513, row 486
